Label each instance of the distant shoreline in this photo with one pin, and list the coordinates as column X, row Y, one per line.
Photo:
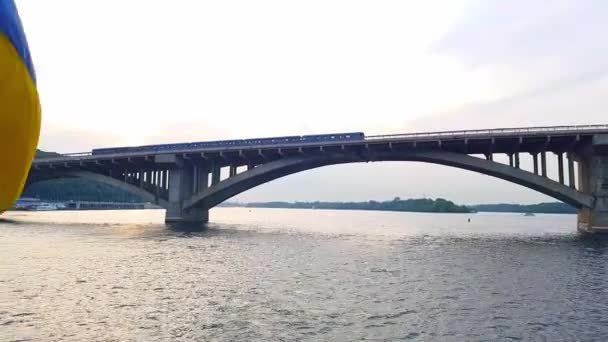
column 415, row 205
column 425, row 205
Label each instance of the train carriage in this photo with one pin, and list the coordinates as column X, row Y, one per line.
column 296, row 139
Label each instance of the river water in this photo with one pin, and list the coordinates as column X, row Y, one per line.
column 310, row 275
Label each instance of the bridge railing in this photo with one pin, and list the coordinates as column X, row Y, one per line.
column 492, row 132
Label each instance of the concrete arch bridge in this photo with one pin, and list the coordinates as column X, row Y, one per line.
column 187, row 183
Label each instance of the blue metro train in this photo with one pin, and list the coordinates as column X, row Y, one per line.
column 234, row 143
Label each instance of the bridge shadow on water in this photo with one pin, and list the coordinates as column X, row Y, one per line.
column 8, row 221
column 596, row 241
column 187, row 228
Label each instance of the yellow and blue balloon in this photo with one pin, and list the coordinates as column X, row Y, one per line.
column 19, row 106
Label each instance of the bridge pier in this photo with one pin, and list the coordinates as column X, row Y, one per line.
column 181, row 186
column 593, row 180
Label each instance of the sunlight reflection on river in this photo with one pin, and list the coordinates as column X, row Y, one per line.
column 261, row 274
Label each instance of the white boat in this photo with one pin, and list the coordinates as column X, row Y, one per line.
column 46, row 207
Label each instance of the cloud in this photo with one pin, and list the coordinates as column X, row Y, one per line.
column 523, row 31
column 577, row 100
column 547, row 63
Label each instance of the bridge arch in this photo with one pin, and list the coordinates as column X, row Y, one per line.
column 99, row 178
column 214, row 195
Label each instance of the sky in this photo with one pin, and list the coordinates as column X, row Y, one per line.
column 118, row 73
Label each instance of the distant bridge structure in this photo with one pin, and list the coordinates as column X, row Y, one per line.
column 187, row 183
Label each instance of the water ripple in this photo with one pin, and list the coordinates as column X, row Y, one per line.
column 291, row 275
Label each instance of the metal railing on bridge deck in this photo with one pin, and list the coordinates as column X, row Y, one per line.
column 493, row 132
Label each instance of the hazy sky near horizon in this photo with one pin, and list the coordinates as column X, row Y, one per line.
column 114, row 73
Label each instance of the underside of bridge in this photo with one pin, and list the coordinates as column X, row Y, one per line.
column 187, row 185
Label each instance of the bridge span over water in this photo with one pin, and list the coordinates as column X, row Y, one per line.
column 188, row 182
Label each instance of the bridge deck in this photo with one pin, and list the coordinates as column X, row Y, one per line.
column 500, row 140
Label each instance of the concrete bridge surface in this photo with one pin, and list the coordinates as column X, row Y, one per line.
column 187, row 183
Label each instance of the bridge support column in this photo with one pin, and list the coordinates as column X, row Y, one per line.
column 215, row 174
column 543, row 164
column 593, row 180
column 535, row 162
column 560, row 167
column 141, row 179
column 203, row 177
column 181, row 182
column 571, row 180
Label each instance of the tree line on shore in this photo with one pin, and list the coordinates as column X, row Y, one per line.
column 425, row 205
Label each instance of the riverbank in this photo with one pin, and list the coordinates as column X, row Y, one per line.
column 422, row 205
